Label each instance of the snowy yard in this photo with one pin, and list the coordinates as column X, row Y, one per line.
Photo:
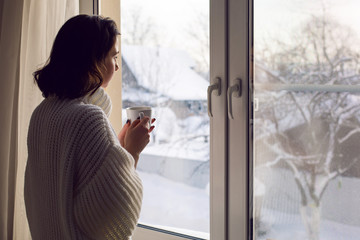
column 173, row 205
column 329, row 230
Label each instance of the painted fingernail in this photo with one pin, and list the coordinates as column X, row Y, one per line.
column 127, row 121
column 138, row 118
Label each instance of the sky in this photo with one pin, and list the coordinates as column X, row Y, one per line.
column 277, row 18
column 172, row 18
column 271, row 16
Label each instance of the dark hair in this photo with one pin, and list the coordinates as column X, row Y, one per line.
column 74, row 66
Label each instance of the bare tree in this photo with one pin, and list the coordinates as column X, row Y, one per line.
column 311, row 131
column 138, row 28
column 199, row 33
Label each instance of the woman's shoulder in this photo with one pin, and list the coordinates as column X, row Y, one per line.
column 89, row 116
column 86, row 114
column 64, row 111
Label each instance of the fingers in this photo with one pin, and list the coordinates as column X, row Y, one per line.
column 143, row 122
column 122, row 133
column 134, row 123
column 152, row 127
column 127, row 124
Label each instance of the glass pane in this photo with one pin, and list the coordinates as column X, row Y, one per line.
column 165, row 65
column 306, row 120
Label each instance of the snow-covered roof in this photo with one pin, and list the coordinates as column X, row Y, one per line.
column 166, row 71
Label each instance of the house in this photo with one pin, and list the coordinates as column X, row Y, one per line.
column 162, row 77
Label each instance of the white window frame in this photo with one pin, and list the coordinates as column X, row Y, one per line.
column 239, row 128
column 229, row 145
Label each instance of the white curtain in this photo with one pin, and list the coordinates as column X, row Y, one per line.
column 27, row 31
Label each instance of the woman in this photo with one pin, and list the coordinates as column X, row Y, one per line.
column 80, row 179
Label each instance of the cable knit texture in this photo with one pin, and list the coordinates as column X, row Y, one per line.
column 79, row 182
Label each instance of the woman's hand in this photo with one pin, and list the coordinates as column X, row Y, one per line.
column 135, row 136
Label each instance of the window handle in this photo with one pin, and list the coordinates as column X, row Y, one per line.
column 215, row 86
column 236, row 88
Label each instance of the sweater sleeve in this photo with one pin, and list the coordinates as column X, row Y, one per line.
column 107, row 201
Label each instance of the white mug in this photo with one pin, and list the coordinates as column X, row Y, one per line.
column 140, row 111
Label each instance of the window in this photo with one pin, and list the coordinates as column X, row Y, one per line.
column 165, row 65
column 306, row 126
column 225, row 208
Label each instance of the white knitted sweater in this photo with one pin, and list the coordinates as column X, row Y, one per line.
column 79, row 182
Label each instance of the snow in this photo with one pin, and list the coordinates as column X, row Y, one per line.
column 194, row 151
column 181, row 208
column 166, row 71
column 259, row 188
column 329, row 230
column 174, row 205
column 279, row 207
